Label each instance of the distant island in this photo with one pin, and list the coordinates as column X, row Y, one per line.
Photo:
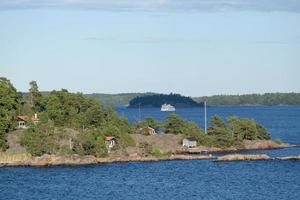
column 156, row 100
column 267, row 99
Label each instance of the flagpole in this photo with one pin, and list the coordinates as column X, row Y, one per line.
column 205, row 121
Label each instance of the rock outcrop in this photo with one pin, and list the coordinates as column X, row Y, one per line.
column 289, row 158
column 54, row 160
column 242, row 157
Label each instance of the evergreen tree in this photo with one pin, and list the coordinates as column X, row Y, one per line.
column 9, row 104
column 35, row 97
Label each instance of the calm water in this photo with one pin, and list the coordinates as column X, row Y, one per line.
column 197, row 179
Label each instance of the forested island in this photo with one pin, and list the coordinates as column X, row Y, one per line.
column 70, row 128
column 156, row 100
column 267, row 99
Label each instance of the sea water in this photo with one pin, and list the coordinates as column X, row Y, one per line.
column 194, row 179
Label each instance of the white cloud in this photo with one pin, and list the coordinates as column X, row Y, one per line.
column 160, row 5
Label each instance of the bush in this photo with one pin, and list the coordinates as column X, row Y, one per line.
column 41, row 139
column 142, row 126
column 175, row 124
column 90, row 143
column 278, row 141
column 146, row 149
column 159, row 154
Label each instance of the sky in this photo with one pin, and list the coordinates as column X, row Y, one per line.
column 191, row 47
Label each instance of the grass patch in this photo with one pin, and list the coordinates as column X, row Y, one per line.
column 14, row 157
column 159, row 154
column 278, row 141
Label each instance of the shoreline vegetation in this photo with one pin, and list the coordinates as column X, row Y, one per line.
column 63, row 128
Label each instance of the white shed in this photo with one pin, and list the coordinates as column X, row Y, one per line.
column 189, row 142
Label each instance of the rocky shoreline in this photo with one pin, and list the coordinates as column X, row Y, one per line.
column 18, row 160
column 24, row 159
column 248, row 145
column 54, row 160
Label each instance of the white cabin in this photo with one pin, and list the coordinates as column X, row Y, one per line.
column 189, row 143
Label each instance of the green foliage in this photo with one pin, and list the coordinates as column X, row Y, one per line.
column 146, row 149
column 142, row 126
column 217, row 121
column 221, row 137
column 237, row 130
column 153, row 123
column 278, row 141
column 269, row 99
column 175, row 124
column 41, row 139
column 159, row 154
column 75, row 111
column 9, row 104
column 116, row 99
column 121, row 131
column 263, row 133
column 220, row 134
column 60, row 109
column 90, row 143
column 36, row 100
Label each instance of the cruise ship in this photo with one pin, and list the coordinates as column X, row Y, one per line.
column 167, row 108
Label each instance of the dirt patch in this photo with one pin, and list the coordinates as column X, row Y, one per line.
column 163, row 142
column 263, row 144
column 13, row 139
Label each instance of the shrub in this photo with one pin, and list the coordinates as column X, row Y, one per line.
column 90, row 143
column 41, row 139
column 146, row 149
column 278, row 141
column 159, row 154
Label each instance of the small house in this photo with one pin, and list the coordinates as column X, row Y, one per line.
column 24, row 119
column 147, row 131
column 110, row 141
column 189, row 142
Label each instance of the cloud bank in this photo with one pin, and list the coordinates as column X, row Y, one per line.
column 156, row 5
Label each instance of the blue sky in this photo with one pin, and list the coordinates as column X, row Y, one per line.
column 193, row 47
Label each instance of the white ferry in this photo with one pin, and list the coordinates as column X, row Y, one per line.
column 167, row 108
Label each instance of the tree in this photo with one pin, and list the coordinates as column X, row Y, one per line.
column 41, row 139
column 90, row 143
column 217, row 122
column 9, row 104
column 263, row 133
column 146, row 149
column 35, row 97
column 174, row 124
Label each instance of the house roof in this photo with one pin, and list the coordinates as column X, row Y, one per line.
column 27, row 118
column 190, row 139
column 109, row 138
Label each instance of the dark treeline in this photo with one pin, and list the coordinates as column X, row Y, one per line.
column 268, row 99
column 157, row 100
